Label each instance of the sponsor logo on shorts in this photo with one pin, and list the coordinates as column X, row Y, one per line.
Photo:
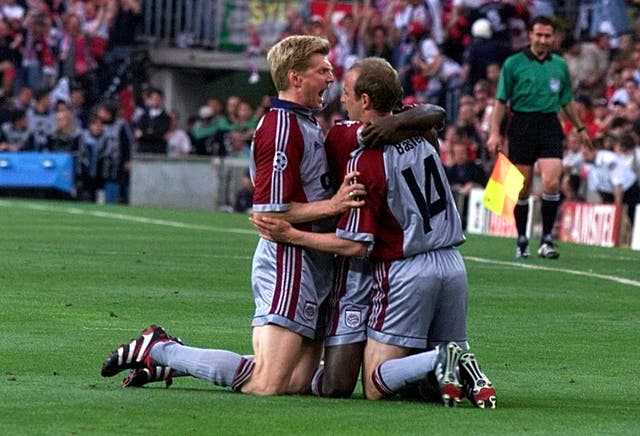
column 310, row 310
column 279, row 161
column 353, row 318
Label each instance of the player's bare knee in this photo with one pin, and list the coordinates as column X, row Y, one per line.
column 300, row 381
column 337, row 388
column 373, row 394
column 264, row 389
column 370, row 391
column 273, row 390
column 265, row 384
column 299, row 390
column 334, row 392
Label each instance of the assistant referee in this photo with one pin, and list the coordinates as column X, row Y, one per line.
column 535, row 83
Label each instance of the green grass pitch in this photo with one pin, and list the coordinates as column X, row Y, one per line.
column 558, row 338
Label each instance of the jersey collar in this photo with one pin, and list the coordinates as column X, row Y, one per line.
column 302, row 111
column 530, row 55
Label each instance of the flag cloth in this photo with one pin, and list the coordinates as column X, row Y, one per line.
column 501, row 192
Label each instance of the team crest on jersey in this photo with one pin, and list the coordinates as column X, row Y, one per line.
column 310, row 310
column 554, row 84
column 353, row 318
column 279, row 161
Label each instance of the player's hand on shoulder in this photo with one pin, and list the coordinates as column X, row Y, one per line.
column 350, row 194
column 381, row 132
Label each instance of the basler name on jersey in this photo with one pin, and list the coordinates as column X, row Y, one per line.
column 407, row 145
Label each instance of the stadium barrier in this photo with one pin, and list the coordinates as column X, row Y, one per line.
column 182, row 22
column 188, row 182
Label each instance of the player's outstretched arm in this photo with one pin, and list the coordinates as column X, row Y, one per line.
column 412, row 122
column 350, row 195
column 277, row 230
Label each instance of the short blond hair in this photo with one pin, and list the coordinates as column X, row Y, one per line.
column 294, row 53
column 69, row 118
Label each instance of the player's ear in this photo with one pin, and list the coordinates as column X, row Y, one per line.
column 367, row 103
column 294, row 78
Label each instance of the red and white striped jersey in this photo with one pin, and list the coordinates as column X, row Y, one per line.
column 409, row 205
column 288, row 161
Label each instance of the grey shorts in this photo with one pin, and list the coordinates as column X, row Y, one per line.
column 420, row 301
column 289, row 285
column 349, row 302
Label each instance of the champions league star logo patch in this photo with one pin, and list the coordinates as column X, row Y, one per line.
column 279, row 161
column 310, row 310
column 554, row 84
column 353, row 318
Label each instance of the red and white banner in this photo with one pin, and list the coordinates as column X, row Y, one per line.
column 635, row 233
column 320, row 8
column 482, row 221
column 590, row 223
column 581, row 223
column 499, row 226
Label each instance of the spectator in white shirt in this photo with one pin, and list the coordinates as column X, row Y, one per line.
column 611, row 178
column 178, row 142
column 572, row 159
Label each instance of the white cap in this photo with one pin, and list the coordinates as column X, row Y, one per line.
column 205, row 112
column 481, row 28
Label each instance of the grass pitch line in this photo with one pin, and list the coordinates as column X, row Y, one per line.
column 124, row 217
column 181, row 225
column 620, row 280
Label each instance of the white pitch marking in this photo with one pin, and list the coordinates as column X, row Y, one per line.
column 124, row 217
column 621, row 280
column 121, row 329
column 112, row 215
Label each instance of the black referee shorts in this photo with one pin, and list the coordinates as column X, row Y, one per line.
column 533, row 135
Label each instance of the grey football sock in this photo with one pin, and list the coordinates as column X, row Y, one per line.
column 396, row 374
column 216, row 366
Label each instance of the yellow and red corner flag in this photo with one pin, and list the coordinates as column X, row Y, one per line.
column 501, row 192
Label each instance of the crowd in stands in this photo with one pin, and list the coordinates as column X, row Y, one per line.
column 448, row 52
column 59, row 60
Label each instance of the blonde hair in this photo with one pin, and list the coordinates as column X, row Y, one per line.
column 70, row 125
column 294, row 53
